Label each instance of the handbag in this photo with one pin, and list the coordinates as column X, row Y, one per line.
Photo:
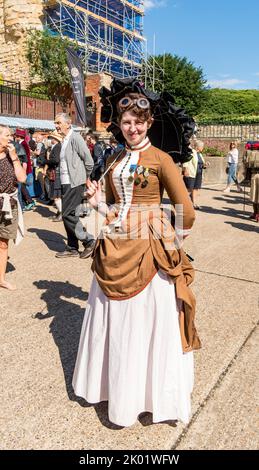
column 227, row 170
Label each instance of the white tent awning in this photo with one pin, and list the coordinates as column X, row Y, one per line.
column 26, row 123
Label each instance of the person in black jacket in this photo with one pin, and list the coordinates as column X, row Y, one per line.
column 40, row 157
column 21, row 154
column 53, row 173
column 97, row 154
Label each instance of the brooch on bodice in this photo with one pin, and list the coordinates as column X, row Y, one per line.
column 140, row 171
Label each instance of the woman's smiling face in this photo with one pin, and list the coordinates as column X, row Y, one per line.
column 133, row 128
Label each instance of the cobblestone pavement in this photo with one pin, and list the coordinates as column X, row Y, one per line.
column 40, row 327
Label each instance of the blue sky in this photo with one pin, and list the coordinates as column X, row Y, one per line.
column 220, row 36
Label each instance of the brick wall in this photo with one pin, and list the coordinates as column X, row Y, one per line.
column 93, row 84
column 35, row 108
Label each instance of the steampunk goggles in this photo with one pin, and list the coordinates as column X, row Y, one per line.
column 127, row 103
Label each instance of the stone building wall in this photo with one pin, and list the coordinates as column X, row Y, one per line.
column 16, row 17
column 240, row 133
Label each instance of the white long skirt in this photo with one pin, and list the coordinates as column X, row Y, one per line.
column 130, row 354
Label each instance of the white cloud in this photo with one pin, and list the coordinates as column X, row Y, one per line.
column 227, row 83
column 148, row 4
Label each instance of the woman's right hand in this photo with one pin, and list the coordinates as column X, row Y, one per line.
column 94, row 192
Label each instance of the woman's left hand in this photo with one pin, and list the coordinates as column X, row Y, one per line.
column 12, row 150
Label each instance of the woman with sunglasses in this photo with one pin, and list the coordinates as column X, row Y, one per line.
column 138, row 334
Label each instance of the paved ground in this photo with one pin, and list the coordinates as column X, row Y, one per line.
column 40, row 327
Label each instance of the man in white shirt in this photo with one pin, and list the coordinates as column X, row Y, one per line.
column 76, row 165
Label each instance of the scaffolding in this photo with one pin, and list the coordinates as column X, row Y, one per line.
column 109, row 33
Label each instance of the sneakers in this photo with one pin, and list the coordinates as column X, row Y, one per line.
column 72, row 253
column 30, row 206
column 239, row 189
column 57, row 218
column 88, row 249
column 67, row 253
column 226, row 190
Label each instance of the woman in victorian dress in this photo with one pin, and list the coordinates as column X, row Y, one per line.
column 138, row 334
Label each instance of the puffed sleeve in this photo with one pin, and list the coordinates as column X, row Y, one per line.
column 172, row 181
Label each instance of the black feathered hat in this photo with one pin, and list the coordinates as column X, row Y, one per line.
column 172, row 127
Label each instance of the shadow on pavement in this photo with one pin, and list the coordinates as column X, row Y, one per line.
column 67, row 321
column 44, row 211
column 209, row 188
column 51, row 239
column 228, row 212
column 246, row 227
column 233, row 191
column 65, row 329
column 234, row 200
column 145, row 419
column 10, row 267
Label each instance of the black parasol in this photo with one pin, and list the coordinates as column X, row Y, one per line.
column 172, row 127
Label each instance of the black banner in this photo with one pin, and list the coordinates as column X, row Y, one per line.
column 78, row 85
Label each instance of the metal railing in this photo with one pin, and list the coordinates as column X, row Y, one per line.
column 17, row 102
column 10, row 97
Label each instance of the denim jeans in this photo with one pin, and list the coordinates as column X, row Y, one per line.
column 232, row 173
column 30, row 184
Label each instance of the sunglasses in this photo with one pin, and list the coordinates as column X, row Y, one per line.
column 127, row 103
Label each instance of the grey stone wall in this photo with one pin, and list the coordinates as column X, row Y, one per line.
column 216, row 172
column 16, row 18
column 238, row 132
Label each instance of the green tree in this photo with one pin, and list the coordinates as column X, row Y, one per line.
column 224, row 102
column 181, row 78
column 47, row 58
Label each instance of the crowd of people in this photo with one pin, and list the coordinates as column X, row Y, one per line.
column 58, row 164
column 32, row 167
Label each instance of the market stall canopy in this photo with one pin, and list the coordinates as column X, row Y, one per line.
column 37, row 124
